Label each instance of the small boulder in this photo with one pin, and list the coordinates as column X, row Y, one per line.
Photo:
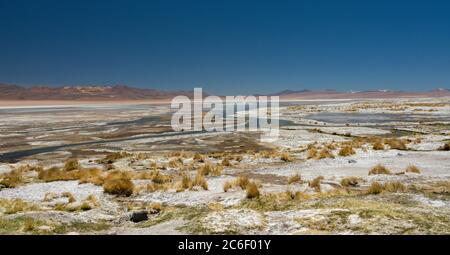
column 354, row 219
column 139, row 216
column 45, row 228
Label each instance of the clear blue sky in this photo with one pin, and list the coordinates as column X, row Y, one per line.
column 227, row 46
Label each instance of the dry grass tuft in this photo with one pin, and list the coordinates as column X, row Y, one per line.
column 206, row 169
column 242, row 182
column 118, row 183
column 176, row 162
column 445, row 147
column 252, row 187
column 217, row 170
column 29, row 168
column 331, row 146
column 154, row 175
column 286, row 157
column 227, row 186
column 440, row 187
column 252, row 190
column 153, row 165
column 17, row 205
column 301, row 196
column 87, row 204
column 413, row 169
column 92, row 175
column 112, row 157
column 378, row 188
column 287, row 195
column 396, row 144
column 267, row 154
column 144, row 175
column 186, row 182
column 69, row 196
column 378, row 146
column 12, row 179
column 93, row 200
column 379, row 169
column 226, row 162
column 351, row 181
column 325, row 153
column 375, row 188
column 159, row 178
column 315, row 184
column 50, row 196
column 200, row 181
column 29, row 224
column 210, row 169
column 154, row 208
column 312, row 153
column 237, row 157
column 181, row 154
column 346, row 151
column 311, row 145
column 395, row 187
column 199, row 158
column 71, row 164
column 152, row 187
column 56, row 174
column 141, row 156
column 217, row 155
column 294, row 179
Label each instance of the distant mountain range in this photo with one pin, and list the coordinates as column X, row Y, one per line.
column 118, row 92
column 122, row 92
column 382, row 93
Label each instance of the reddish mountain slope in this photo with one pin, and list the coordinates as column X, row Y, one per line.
column 14, row 92
column 122, row 92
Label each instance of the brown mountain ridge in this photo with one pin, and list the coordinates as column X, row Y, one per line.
column 123, row 92
column 117, row 92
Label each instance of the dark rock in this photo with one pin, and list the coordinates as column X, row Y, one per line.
column 139, row 216
column 352, row 161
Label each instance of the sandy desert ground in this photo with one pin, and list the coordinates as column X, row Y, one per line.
column 339, row 167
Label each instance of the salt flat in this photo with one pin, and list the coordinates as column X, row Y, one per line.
column 106, row 164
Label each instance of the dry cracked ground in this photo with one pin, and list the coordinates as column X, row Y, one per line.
column 342, row 167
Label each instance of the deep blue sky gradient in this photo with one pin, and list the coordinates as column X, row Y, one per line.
column 227, row 46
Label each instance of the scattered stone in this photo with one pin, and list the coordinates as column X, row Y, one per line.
column 139, row 216
column 45, row 228
column 354, row 219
